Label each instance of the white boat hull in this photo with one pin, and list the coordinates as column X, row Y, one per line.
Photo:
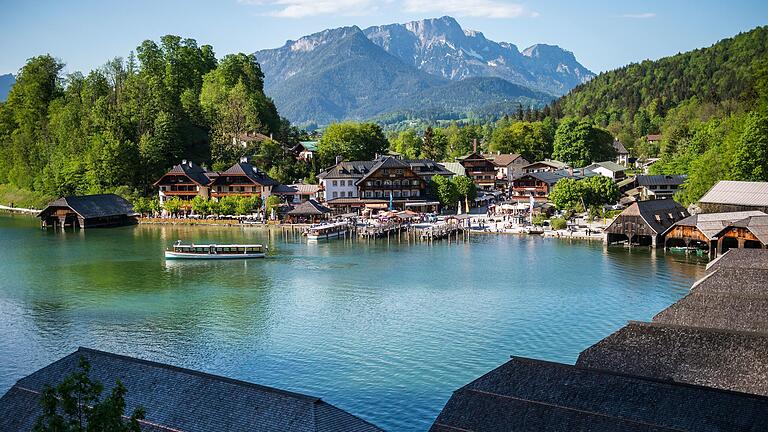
column 186, row 255
column 316, row 237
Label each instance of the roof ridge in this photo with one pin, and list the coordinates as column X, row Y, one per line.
column 699, row 328
column 199, row 373
column 582, row 411
column 637, row 377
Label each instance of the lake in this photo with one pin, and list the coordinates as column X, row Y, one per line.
column 384, row 330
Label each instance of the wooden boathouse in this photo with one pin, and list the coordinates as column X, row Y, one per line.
column 88, row 211
column 643, row 222
column 713, row 231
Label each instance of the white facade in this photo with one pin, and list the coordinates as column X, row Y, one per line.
column 338, row 188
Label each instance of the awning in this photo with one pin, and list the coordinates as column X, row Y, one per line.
column 376, row 205
column 421, row 204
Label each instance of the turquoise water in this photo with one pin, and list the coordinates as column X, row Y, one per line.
column 384, row 330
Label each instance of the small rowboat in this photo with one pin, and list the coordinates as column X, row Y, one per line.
column 214, row 251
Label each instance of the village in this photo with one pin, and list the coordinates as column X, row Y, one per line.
column 393, row 196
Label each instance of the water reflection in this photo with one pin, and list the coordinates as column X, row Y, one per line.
column 386, row 330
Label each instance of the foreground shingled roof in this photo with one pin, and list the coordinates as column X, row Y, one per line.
column 92, row 206
column 531, row 395
column 724, row 359
column 740, row 259
column 179, row 399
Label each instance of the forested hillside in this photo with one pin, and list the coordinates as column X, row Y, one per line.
column 709, row 105
column 119, row 127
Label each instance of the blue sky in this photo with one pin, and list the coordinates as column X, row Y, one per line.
column 602, row 34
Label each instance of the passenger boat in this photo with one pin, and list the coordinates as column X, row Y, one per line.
column 327, row 231
column 214, row 251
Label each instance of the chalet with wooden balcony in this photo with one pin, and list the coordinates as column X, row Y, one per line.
column 351, row 185
column 539, row 184
column 480, row 169
column 185, row 181
column 242, row 179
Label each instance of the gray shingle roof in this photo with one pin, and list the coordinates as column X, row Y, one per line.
column 360, row 169
column 657, row 180
column 532, row 395
column 254, row 174
column 182, row 399
column 740, row 258
column 609, row 165
column 648, row 210
column 710, row 224
column 619, row 147
column 738, row 193
column 92, row 206
column 727, row 360
column 310, row 207
column 195, row 172
column 552, row 177
column 727, row 311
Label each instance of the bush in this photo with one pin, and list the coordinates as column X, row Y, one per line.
column 558, row 223
column 539, row 219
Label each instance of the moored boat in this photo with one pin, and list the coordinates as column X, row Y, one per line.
column 214, row 251
column 327, row 231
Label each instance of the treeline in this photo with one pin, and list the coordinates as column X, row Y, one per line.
column 120, row 127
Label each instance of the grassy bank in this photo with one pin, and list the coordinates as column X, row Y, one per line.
column 22, row 197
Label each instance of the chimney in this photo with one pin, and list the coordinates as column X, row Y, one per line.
column 338, row 160
column 474, row 145
column 270, row 136
column 244, row 159
column 184, row 162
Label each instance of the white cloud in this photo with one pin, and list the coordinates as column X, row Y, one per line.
column 309, row 8
column 469, row 8
column 644, row 15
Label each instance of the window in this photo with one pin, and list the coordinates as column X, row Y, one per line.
column 369, row 183
column 406, row 193
column 396, row 183
column 368, row 194
column 396, row 194
column 414, row 193
column 335, row 183
column 335, row 194
column 377, row 183
column 662, row 187
column 378, row 194
column 415, row 182
column 349, row 182
column 350, row 194
column 658, row 218
column 400, row 172
column 387, row 183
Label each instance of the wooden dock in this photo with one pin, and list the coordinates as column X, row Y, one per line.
column 442, row 232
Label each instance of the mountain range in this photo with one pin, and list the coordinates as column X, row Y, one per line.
column 419, row 67
column 6, row 82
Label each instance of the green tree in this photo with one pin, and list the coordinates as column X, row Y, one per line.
column 201, row 206
column 408, row 143
column 599, row 190
column 351, row 141
column 75, row 405
column 141, row 205
column 172, row 205
column 465, row 188
column 272, row 202
column 530, row 139
column 567, row 194
column 750, row 160
column 444, row 190
column 228, row 205
column 579, row 143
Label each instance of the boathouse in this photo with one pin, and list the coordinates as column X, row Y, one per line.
column 177, row 399
column 309, row 211
column 88, row 211
column 703, row 231
column 643, row 222
column 735, row 196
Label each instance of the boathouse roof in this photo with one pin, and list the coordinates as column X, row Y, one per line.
column 532, row 395
column 180, row 399
column 721, row 310
column 91, row 206
column 725, row 359
column 741, row 193
column 740, row 259
column 311, row 208
column 711, row 224
column 657, row 214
